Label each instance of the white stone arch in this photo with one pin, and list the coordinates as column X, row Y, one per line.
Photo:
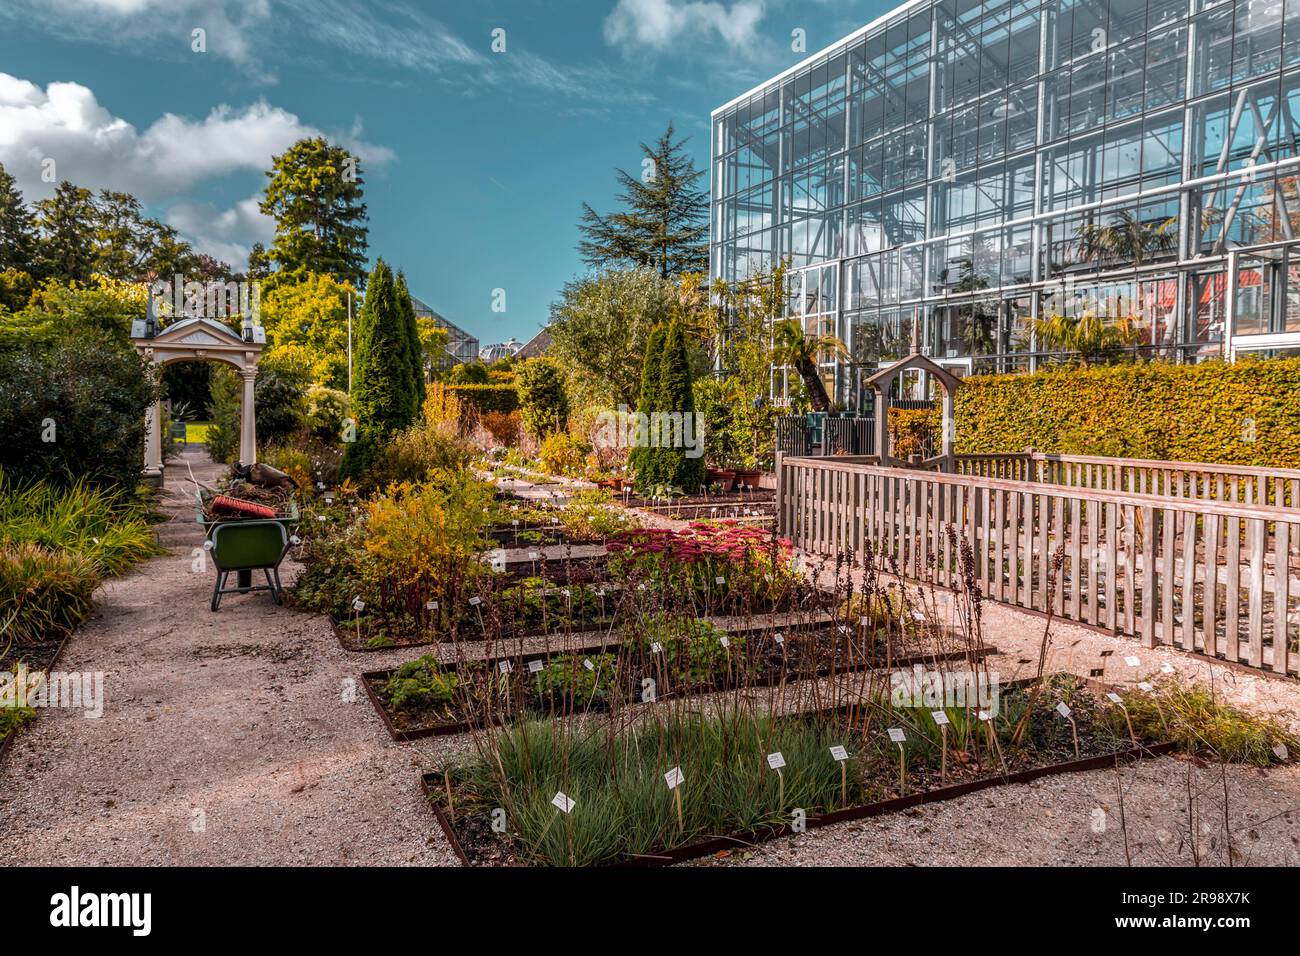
column 200, row 340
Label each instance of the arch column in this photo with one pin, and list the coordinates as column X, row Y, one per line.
column 153, row 456
column 248, row 419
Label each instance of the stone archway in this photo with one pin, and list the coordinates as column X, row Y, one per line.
column 199, row 340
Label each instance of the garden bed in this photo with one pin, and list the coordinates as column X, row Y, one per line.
column 816, row 653
column 868, row 785
column 37, row 656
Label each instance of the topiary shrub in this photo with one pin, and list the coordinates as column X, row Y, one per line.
column 1231, row 414
column 544, row 403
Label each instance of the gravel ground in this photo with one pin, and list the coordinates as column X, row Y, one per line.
column 241, row 737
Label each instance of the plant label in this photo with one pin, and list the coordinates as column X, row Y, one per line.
column 984, row 715
column 588, row 664
column 535, row 666
column 864, row 621
column 1144, row 686
column 1281, row 752
column 839, row 753
column 940, row 717
column 896, row 735
column 320, row 517
column 656, row 648
column 561, row 801
column 533, row 555
column 565, row 592
column 1114, row 698
column 779, row 638
column 1132, row 661
column 1167, row 668
column 674, row 778
column 431, row 605
column 724, row 641
column 600, row 593
column 1063, row 710
column 475, row 601
column 358, row 604
column 515, row 522
column 504, row 667
column 776, row 760
column 720, row 580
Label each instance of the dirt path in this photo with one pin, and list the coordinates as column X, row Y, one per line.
column 226, row 738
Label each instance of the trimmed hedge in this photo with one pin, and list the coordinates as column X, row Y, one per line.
column 1232, row 414
column 488, row 398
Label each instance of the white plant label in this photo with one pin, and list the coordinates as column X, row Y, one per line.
column 776, row 760
column 724, row 641
column 839, row 753
column 720, row 580
column 940, row 717
column 533, row 555
column 1132, row 661
column 984, row 715
column 504, row 667
column 864, row 621
column 474, row 601
column 562, row 801
column 1281, row 752
column 896, row 735
column 431, row 605
column 515, row 522
column 1114, row 698
column 1144, row 686
column 1167, row 668
column 588, row 664
column 1063, row 710
column 674, row 778
column 535, row 666
column 656, row 648
column 779, row 638
column 320, row 517
column 358, row 604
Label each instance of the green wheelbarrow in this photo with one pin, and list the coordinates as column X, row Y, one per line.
column 242, row 547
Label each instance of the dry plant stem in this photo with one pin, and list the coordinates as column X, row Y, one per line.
column 1123, row 822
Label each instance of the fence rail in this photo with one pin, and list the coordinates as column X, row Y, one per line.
column 1212, row 576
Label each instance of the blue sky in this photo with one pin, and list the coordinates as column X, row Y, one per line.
column 476, row 162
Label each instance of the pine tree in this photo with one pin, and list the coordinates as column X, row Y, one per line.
column 17, row 228
column 642, row 457
column 315, row 197
column 68, row 221
column 415, row 348
column 666, row 223
column 382, row 400
column 677, row 396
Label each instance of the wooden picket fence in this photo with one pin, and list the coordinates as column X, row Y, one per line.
column 1205, row 574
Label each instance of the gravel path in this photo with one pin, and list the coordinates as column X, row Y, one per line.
column 226, row 738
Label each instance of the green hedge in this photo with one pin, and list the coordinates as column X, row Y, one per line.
column 488, row 398
column 1242, row 414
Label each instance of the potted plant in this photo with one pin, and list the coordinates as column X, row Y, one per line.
column 723, row 478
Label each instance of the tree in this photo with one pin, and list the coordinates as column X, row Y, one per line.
column 310, row 320
column 17, row 228
column 315, row 197
column 641, row 458
column 665, row 223
column 543, row 401
column 1088, row 336
column 259, row 262
column 600, row 326
column 382, row 398
column 68, row 221
column 1127, row 238
column 675, row 395
column 794, row 347
column 414, row 344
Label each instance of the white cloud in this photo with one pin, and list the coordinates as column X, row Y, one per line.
column 226, row 234
column 658, row 25
column 93, row 148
